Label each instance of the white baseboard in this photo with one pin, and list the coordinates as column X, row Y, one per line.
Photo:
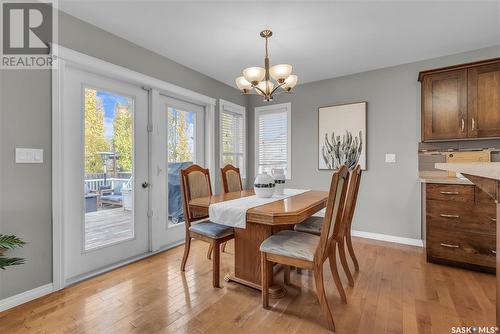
column 26, row 296
column 389, row 238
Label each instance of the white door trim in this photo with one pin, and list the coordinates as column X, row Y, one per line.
column 64, row 57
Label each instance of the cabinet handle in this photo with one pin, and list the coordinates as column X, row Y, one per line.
column 449, row 192
column 449, row 216
column 494, row 252
column 463, row 125
column 473, row 124
column 493, row 220
column 449, row 246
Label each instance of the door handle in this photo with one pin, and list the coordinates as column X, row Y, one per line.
column 449, row 245
column 449, row 192
column 449, row 216
column 145, row 184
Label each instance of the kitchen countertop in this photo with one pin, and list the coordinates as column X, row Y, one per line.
column 442, row 178
column 489, row 170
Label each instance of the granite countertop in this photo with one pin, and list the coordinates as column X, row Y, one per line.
column 490, row 170
column 442, row 178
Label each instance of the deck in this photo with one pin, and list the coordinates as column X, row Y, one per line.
column 108, row 226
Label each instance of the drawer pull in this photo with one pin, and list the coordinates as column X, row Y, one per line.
column 449, row 216
column 449, row 192
column 494, row 252
column 493, row 220
column 449, row 246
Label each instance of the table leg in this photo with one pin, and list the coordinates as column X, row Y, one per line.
column 247, row 257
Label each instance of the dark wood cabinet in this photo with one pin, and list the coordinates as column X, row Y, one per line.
column 444, row 97
column 460, row 226
column 461, row 102
column 484, row 101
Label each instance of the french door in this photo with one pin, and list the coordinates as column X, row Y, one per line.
column 184, row 133
column 105, row 173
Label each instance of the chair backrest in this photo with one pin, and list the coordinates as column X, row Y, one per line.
column 195, row 183
column 352, row 197
column 231, row 179
column 332, row 222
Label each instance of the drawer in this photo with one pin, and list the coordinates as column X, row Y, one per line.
column 450, row 192
column 465, row 247
column 452, row 215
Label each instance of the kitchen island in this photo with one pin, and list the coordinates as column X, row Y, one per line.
column 485, row 175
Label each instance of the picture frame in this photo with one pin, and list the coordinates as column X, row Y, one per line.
column 342, row 135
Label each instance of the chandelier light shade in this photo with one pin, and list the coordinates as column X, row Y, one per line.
column 257, row 80
column 280, row 72
column 243, row 84
column 254, row 74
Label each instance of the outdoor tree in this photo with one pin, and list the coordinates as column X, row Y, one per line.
column 178, row 141
column 122, row 139
column 95, row 140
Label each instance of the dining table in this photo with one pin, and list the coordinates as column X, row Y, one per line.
column 261, row 222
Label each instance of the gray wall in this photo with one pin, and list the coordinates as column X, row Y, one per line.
column 25, row 121
column 389, row 199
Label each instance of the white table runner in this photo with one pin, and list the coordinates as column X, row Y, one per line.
column 234, row 212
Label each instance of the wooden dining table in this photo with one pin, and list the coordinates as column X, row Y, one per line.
column 261, row 222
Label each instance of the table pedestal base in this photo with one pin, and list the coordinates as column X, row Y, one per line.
column 275, row 291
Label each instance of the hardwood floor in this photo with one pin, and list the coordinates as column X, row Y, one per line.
column 395, row 292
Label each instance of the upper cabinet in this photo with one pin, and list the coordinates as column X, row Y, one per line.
column 461, row 102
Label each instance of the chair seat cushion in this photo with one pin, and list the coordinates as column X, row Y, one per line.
column 293, row 244
column 311, row 225
column 211, row 230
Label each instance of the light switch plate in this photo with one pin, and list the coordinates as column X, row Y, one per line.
column 29, row 156
column 390, row 158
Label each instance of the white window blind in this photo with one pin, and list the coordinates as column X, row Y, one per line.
column 233, row 136
column 273, row 139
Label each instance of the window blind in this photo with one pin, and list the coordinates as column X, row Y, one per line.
column 273, row 147
column 233, row 134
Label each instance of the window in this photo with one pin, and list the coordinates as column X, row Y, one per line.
column 232, row 135
column 273, row 138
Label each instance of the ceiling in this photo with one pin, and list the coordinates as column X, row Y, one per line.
column 321, row 40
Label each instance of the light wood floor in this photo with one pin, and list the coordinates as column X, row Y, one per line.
column 395, row 292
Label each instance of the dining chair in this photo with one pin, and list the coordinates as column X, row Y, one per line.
column 309, row 251
column 230, row 182
column 352, row 200
column 314, row 224
column 195, row 183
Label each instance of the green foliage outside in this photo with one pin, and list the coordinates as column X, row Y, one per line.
column 122, row 139
column 178, row 141
column 95, row 140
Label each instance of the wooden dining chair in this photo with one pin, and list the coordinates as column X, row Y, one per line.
column 230, row 182
column 309, row 251
column 231, row 179
column 355, row 180
column 314, row 224
column 195, row 183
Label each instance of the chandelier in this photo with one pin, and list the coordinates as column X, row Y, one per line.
column 259, row 78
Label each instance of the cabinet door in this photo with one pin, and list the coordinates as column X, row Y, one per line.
column 444, row 100
column 484, row 101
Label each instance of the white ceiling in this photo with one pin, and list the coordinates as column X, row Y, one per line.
column 320, row 39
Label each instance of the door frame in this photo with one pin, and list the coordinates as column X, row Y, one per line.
column 156, row 214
